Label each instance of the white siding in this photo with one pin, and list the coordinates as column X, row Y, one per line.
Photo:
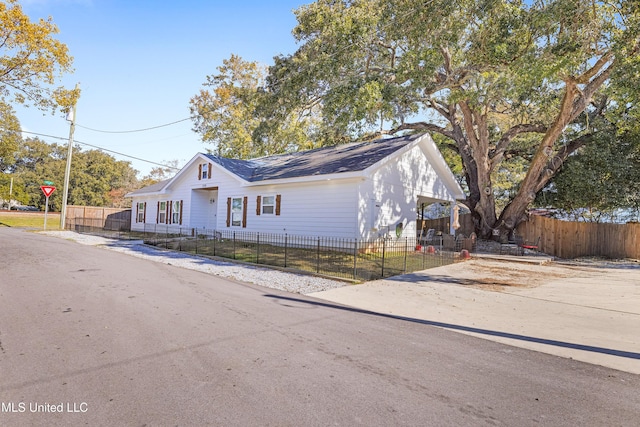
column 323, row 208
column 180, row 189
column 388, row 197
column 150, row 215
column 365, row 207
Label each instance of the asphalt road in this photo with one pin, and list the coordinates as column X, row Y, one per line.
column 111, row 339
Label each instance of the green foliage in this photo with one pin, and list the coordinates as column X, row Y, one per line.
column 31, row 60
column 228, row 114
column 601, row 181
column 505, row 81
column 224, row 114
column 9, row 136
column 94, row 180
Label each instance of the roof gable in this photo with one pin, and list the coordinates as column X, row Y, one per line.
column 153, row 188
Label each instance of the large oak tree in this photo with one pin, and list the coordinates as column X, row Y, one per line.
column 501, row 80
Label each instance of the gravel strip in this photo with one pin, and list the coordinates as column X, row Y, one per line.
column 266, row 277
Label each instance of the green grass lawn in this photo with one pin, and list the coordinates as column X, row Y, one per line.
column 33, row 220
column 365, row 266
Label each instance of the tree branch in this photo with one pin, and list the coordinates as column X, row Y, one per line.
column 446, row 55
column 497, row 154
column 557, row 161
column 587, row 93
column 419, row 126
column 585, row 77
column 467, row 122
column 442, row 109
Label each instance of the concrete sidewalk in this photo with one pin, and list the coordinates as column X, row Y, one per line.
column 587, row 313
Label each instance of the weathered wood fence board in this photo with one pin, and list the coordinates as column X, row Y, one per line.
column 565, row 239
column 108, row 218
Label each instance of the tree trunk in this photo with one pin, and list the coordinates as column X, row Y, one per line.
column 474, row 148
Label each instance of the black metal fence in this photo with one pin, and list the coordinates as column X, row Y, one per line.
column 113, row 228
column 337, row 257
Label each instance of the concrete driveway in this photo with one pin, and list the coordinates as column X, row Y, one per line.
column 587, row 312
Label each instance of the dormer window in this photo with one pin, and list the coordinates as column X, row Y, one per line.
column 205, row 171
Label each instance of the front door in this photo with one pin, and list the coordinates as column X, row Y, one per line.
column 212, row 216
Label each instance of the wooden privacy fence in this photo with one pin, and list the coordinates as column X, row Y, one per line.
column 107, row 218
column 565, row 239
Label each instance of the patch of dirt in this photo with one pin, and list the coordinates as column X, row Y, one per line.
column 499, row 275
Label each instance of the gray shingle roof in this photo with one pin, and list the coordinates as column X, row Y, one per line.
column 150, row 188
column 321, row 161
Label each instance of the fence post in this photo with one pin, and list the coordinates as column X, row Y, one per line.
column 406, row 242
column 258, row 249
column 195, row 234
column 355, row 259
column 384, row 244
column 215, row 237
column 234, row 245
column 318, row 257
column 286, row 238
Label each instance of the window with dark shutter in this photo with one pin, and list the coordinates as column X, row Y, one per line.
column 167, row 212
column 162, row 213
column 144, row 215
column 209, row 171
column 237, row 211
column 228, row 211
column 244, row 211
column 268, row 205
column 199, row 172
column 258, row 199
column 278, row 203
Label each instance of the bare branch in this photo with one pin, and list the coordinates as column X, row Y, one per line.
column 585, row 77
column 442, row 109
column 446, row 55
column 420, row 126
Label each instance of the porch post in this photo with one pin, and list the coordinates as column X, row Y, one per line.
column 452, row 230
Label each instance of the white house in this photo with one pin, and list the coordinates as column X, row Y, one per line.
column 359, row 190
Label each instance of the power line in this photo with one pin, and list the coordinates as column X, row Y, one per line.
column 127, row 155
column 134, row 130
column 102, row 149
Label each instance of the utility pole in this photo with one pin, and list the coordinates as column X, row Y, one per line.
column 71, row 116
